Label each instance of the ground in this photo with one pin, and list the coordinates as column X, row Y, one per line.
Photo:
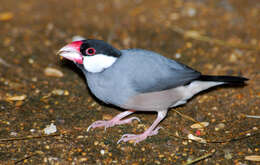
column 214, row 37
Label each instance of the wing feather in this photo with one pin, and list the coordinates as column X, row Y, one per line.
column 153, row 72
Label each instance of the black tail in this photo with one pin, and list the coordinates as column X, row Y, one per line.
column 227, row 79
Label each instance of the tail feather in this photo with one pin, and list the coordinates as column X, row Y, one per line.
column 226, row 79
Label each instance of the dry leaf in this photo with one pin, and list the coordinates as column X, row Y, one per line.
column 195, row 138
column 255, row 158
column 16, row 98
column 6, row 16
column 199, row 125
column 52, row 72
column 192, row 34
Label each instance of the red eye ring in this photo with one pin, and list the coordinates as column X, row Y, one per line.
column 90, row 51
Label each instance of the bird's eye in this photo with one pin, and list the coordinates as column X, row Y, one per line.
column 90, row 51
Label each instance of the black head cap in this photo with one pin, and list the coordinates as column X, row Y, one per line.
column 92, row 47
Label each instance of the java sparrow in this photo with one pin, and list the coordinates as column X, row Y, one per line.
column 137, row 80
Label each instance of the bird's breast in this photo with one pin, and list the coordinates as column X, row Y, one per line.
column 109, row 90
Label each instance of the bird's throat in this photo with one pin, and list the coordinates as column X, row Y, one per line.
column 98, row 62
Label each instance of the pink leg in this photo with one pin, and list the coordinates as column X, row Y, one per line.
column 115, row 121
column 152, row 130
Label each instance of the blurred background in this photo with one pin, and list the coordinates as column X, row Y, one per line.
column 37, row 88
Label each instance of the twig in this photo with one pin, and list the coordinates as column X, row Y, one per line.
column 252, row 116
column 27, row 137
column 189, row 118
column 195, row 35
column 219, row 141
column 3, row 62
column 199, row 158
column 25, row 158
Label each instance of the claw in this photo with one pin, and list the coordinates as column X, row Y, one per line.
column 140, row 137
column 136, row 118
column 111, row 123
column 156, row 130
column 88, row 128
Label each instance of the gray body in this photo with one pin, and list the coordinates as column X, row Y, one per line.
column 137, row 80
column 146, row 81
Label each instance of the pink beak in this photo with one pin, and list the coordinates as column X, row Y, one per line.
column 72, row 52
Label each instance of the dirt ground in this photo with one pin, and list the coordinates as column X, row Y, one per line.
column 214, row 37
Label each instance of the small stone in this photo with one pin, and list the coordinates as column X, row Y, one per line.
column 49, row 27
column 190, row 34
column 30, row 61
column 233, row 58
column 47, row 147
column 157, row 162
column 102, row 152
column 99, row 108
column 58, row 92
column 6, row 122
column 34, row 79
column 161, row 156
column 93, row 104
column 191, row 12
column 45, row 160
column 50, row 129
column 209, row 66
column 83, row 159
column 77, row 38
column 220, row 126
column 13, row 134
column 107, row 117
column 185, row 142
column 52, row 159
column 52, row 72
column 177, row 55
column 199, row 125
column 32, row 130
column 203, row 99
column 66, row 93
column 80, row 137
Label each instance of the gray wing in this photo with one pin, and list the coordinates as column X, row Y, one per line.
column 153, row 72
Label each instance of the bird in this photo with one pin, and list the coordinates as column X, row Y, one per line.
column 137, row 80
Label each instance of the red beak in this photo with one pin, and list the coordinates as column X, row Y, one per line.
column 72, row 52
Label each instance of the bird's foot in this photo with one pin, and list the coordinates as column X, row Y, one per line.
column 140, row 137
column 111, row 123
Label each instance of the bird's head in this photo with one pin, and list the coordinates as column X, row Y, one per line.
column 94, row 55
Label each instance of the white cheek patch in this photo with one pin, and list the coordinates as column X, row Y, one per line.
column 97, row 63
